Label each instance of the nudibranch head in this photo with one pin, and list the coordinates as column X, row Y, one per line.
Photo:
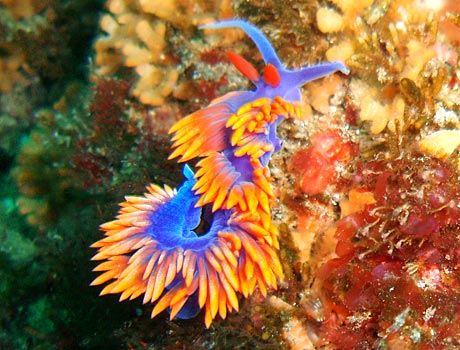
column 182, row 257
column 276, row 79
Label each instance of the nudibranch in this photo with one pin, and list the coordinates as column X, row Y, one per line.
column 197, row 247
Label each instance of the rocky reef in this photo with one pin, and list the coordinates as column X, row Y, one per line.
column 366, row 180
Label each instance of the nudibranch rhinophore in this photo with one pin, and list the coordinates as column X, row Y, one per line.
column 197, row 247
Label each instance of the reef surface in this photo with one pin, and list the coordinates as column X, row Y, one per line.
column 366, row 181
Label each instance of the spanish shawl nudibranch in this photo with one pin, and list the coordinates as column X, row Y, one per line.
column 200, row 245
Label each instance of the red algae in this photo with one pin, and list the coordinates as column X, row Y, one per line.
column 108, row 120
column 315, row 167
column 395, row 277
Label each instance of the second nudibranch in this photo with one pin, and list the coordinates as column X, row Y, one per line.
column 199, row 246
column 236, row 134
